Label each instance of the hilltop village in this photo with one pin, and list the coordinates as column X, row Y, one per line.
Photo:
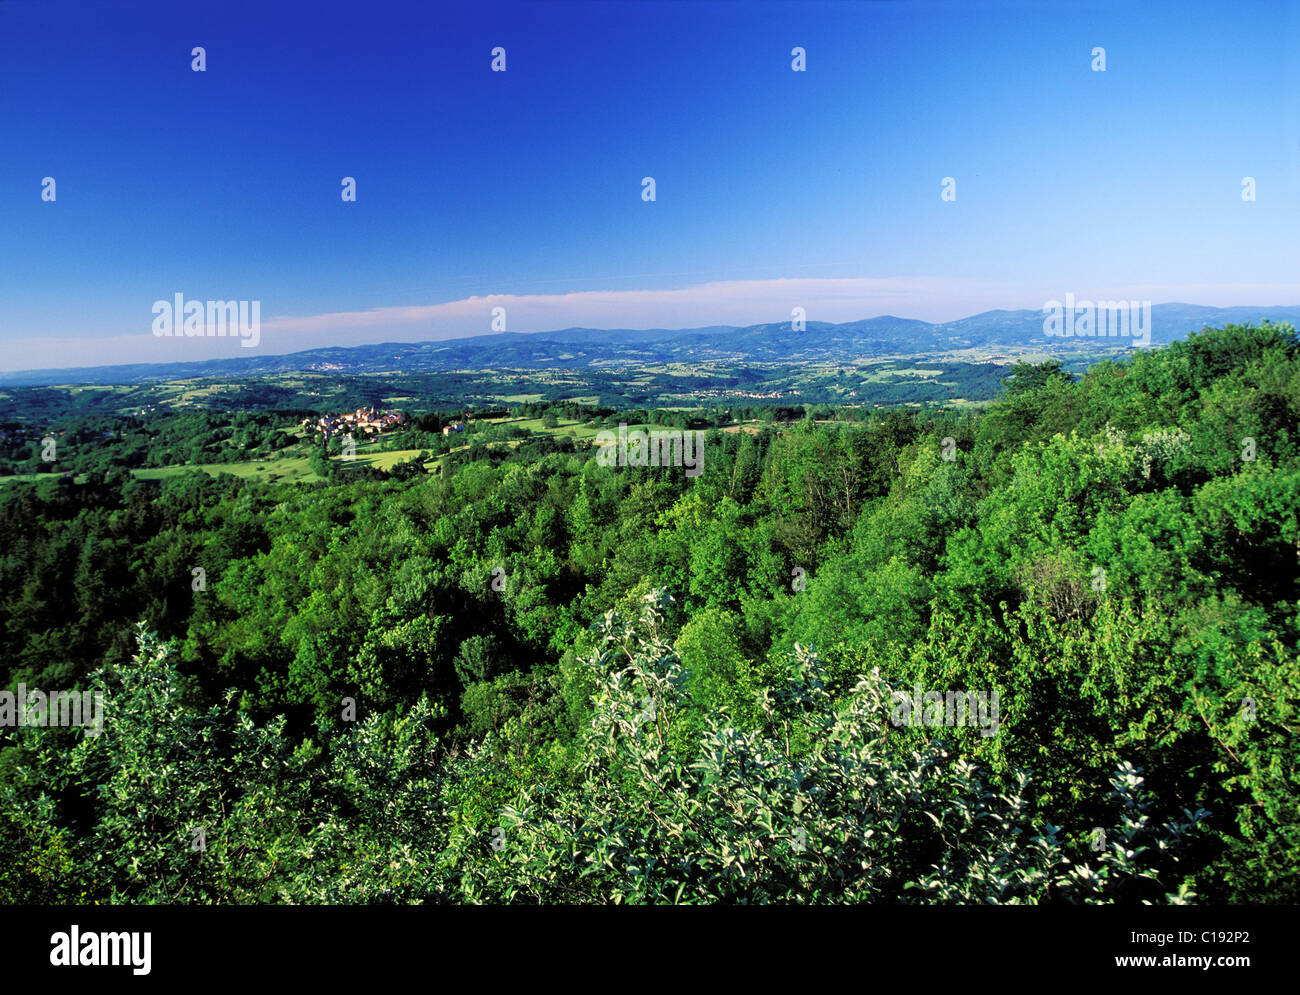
column 370, row 421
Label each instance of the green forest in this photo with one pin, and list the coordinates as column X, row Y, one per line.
column 530, row 678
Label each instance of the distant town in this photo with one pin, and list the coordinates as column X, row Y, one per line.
column 370, row 421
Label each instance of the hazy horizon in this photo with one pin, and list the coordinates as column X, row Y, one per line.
column 229, row 348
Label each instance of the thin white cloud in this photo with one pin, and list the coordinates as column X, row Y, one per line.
column 732, row 302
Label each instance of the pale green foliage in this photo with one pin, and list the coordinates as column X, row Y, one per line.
column 825, row 802
column 278, row 826
column 851, row 818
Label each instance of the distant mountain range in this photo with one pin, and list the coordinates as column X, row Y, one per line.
column 577, row 348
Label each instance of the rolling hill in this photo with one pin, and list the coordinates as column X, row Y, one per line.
column 579, row 348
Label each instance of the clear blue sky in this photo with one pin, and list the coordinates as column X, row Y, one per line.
column 226, row 183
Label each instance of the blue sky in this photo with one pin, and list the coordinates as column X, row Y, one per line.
column 774, row 188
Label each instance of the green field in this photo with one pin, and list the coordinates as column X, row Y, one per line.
column 290, row 469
